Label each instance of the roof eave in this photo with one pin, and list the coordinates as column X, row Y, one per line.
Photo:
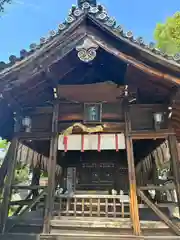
column 159, row 56
column 102, row 20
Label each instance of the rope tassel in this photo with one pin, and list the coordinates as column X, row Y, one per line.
column 116, row 143
column 65, row 143
column 99, row 143
column 82, row 143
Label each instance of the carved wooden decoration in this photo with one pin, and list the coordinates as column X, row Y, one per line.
column 87, row 50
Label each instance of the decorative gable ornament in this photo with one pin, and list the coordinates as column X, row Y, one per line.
column 87, row 50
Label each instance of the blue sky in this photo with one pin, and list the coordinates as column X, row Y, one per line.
column 26, row 21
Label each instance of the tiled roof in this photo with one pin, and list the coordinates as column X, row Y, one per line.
column 100, row 14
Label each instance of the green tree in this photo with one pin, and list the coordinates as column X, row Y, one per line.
column 167, row 35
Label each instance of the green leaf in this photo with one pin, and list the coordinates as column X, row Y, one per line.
column 3, row 145
column 167, row 35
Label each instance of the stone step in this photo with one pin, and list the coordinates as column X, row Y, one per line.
column 24, row 226
column 14, row 236
column 83, row 236
column 98, row 222
column 105, row 226
column 89, row 223
column 86, row 235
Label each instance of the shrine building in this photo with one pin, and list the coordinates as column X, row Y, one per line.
column 97, row 111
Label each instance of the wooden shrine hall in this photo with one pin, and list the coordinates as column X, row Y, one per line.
column 98, row 111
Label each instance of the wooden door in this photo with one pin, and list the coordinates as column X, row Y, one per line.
column 96, row 176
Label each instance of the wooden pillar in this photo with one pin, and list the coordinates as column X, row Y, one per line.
column 8, row 183
column 131, row 172
column 35, row 182
column 175, row 164
column 51, row 171
column 9, row 177
column 4, row 168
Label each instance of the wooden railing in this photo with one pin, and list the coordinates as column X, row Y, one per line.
column 93, row 206
column 164, row 193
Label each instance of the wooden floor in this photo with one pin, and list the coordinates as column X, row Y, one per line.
column 30, row 226
column 71, row 228
column 105, row 226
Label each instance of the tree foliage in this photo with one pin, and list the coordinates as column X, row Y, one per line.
column 3, row 3
column 167, row 35
column 21, row 174
column 3, row 145
column 22, row 171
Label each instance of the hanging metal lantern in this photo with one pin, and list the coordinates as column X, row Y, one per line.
column 26, row 122
column 158, row 119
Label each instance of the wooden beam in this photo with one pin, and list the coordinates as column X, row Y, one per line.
column 7, row 188
column 34, row 135
column 46, row 80
column 131, row 172
column 160, row 214
column 51, row 170
column 39, row 110
column 34, row 201
column 150, row 134
column 25, row 187
column 175, row 161
column 152, row 106
column 35, row 181
column 21, row 206
column 21, row 203
column 159, row 188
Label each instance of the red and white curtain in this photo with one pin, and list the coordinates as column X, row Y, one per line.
column 98, row 142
